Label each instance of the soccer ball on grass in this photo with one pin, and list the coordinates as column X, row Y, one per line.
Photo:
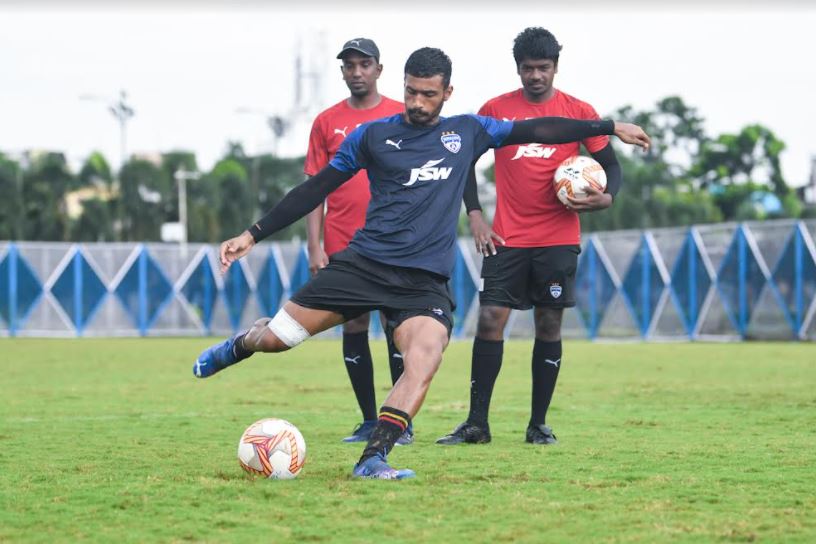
column 273, row 448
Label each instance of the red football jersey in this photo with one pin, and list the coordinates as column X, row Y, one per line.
column 528, row 212
column 345, row 207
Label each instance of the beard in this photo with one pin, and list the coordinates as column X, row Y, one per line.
column 418, row 116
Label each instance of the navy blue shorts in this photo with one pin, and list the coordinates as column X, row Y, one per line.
column 352, row 285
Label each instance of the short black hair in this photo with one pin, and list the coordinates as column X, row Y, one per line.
column 429, row 62
column 536, row 43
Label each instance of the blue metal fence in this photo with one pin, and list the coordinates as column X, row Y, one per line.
column 755, row 280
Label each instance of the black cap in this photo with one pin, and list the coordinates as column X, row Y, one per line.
column 361, row 45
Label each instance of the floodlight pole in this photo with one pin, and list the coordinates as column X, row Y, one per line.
column 122, row 111
column 181, row 177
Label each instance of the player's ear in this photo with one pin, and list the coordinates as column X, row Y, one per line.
column 379, row 69
column 447, row 94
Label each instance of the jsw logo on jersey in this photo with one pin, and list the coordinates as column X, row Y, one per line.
column 535, row 151
column 429, row 172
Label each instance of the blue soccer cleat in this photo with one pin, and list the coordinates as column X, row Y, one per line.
column 407, row 437
column 376, row 468
column 362, row 432
column 216, row 358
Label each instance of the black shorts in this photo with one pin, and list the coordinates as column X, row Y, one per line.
column 524, row 277
column 352, row 285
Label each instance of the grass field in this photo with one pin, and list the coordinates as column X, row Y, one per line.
column 114, row 440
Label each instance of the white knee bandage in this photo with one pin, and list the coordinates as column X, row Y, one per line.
column 287, row 329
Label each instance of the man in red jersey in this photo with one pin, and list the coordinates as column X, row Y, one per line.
column 535, row 267
column 345, row 211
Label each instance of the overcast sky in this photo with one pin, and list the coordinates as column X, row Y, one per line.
column 188, row 66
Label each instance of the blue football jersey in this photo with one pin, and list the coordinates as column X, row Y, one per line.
column 417, row 177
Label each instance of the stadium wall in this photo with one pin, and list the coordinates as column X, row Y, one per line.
column 729, row 281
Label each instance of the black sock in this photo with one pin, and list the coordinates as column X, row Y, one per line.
column 484, row 369
column 546, row 364
column 357, row 356
column 390, row 426
column 394, row 357
column 238, row 348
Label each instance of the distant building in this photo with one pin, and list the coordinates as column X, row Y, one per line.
column 153, row 157
column 75, row 200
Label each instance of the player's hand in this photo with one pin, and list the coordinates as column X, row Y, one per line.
column 483, row 235
column 235, row 248
column 317, row 259
column 595, row 200
column 632, row 134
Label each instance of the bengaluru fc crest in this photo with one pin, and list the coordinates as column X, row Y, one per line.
column 555, row 290
column 452, row 141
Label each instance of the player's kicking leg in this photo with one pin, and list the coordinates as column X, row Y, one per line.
column 291, row 325
column 421, row 339
column 360, row 368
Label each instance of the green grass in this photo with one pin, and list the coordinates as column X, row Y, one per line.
column 114, row 440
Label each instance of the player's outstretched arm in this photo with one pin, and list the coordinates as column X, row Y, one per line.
column 296, row 204
column 560, row 130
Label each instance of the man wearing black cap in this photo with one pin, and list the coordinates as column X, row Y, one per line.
column 345, row 211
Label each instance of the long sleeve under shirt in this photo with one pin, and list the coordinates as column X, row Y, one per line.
column 417, row 184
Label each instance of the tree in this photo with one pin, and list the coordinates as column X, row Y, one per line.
column 95, row 224
column 45, row 184
column 144, row 190
column 659, row 177
column 735, row 166
column 171, row 163
column 687, row 176
column 676, row 130
column 96, row 171
column 99, row 201
column 750, row 155
column 202, row 211
column 11, row 209
column 234, row 203
column 275, row 177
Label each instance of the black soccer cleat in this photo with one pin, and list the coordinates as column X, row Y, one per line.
column 466, row 433
column 540, row 434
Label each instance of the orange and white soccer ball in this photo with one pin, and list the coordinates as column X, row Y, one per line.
column 575, row 174
column 273, row 448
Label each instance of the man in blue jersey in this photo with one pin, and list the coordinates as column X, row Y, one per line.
column 399, row 262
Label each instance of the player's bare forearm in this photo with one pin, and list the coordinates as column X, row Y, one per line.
column 595, row 200
column 314, row 227
column 235, row 248
column 314, row 231
column 483, row 235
